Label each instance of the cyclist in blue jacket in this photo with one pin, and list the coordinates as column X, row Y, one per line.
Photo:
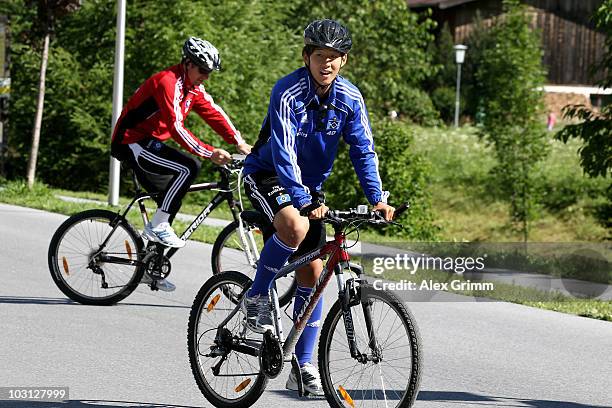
column 310, row 110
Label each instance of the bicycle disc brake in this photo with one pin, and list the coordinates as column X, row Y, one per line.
column 270, row 355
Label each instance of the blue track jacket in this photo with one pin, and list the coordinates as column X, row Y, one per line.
column 299, row 137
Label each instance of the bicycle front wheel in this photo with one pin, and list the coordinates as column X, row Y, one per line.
column 226, row 376
column 386, row 333
column 231, row 252
column 74, row 252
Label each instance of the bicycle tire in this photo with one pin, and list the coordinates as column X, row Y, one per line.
column 218, row 284
column 76, row 240
column 225, row 256
column 403, row 397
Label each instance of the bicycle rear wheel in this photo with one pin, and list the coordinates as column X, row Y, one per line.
column 231, row 253
column 72, row 258
column 391, row 376
column 225, row 376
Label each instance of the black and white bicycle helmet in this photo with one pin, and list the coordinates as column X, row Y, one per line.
column 328, row 34
column 202, row 53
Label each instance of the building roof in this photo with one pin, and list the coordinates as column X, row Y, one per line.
column 441, row 4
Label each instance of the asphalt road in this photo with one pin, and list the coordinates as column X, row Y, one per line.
column 134, row 354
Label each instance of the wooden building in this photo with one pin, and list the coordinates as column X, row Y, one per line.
column 570, row 42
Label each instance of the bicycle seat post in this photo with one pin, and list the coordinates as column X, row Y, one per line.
column 137, row 191
column 137, row 187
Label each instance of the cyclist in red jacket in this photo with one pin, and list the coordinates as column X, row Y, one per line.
column 155, row 113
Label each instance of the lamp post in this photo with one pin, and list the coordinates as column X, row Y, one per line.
column 114, row 167
column 459, row 58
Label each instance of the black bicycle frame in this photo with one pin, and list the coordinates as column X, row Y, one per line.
column 225, row 194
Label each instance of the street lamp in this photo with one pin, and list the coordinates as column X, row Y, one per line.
column 114, row 167
column 459, row 58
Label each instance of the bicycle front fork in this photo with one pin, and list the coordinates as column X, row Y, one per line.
column 353, row 297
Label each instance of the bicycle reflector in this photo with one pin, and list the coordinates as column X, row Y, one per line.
column 243, row 384
column 65, row 264
column 128, row 249
column 212, row 304
column 346, row 396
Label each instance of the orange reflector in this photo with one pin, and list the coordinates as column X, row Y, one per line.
column 65, row 263
column 257, row 231
column 213, row 302
column 243, row 384
column 346, row 396
column 128, row 249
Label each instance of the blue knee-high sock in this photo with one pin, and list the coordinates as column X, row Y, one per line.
column 273, row 256
column 306, row 344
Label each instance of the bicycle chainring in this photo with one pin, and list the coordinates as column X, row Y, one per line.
column 271, row 355
column 156, row 268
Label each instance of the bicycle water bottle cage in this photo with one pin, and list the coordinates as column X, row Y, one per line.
column 271, row 355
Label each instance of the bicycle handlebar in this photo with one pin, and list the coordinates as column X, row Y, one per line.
column 362, row 213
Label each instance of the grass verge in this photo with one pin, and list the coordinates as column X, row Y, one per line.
column 44, row 198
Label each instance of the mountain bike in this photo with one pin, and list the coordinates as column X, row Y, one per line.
column 369, row 346
column 97, row 257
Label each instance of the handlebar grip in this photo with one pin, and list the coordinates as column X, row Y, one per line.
column 401, row 209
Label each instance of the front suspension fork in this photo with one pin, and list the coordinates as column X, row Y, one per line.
column 353, row 298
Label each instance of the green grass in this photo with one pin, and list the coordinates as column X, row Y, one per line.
column 468, row 206
column 196, row 202
column 44, row 198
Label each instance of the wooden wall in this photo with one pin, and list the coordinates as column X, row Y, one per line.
column 570, row 42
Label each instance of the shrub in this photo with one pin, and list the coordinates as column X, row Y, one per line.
column 510, row 74
column 403, row 174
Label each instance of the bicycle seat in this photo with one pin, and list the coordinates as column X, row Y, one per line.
column 255, row 218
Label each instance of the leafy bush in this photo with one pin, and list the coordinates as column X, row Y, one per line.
column 389, row 61
column 404, row 174
column 443, row 99
column 442, row 85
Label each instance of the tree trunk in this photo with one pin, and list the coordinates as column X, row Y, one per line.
column 39, row 113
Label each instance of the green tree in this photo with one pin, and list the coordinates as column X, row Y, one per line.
column 260, row 41
column 595, row 127
column 510, row 74
column 479, row 40
column 389, row 61
column 76, row 127
column 442, row 85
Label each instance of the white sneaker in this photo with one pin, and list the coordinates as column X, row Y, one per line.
column 310, row 379
column 258, row 313
column 162, row 284
column 164, row 234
